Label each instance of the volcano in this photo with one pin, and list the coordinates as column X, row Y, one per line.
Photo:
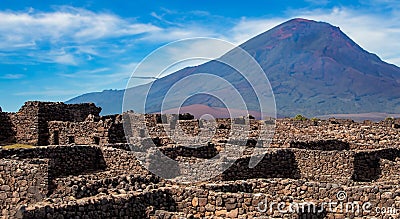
column 313, row 67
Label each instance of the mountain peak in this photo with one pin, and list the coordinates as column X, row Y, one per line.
column 299, row 34
column 300, row 20
column 304, row 21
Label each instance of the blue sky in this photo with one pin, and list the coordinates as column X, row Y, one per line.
column 54, row 51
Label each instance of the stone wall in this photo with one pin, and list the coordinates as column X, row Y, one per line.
column 207, row 152
column 275, row 164
column 7, row 131
column 58, row 111
column 325, row 166
column 77, row 187
column 359, row 135
column 228, row 200
column 63, row 161
column 313, row 165
column 21, row 182
column 125, row 161
column 325, row 145
column 132, row 205
column 26, row 123
column 101, row 131
column 31, row 175
column 31, row 120
column 371, row 165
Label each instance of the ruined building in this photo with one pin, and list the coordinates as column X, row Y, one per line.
column 48, row 123
column 314, row 161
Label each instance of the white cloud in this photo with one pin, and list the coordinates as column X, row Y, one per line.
column 65, row 59
column 67, row 23
column 65, row 27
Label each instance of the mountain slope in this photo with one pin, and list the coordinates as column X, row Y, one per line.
column 110, row 101
column 313, row 67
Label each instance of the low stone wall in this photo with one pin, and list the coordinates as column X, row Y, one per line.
column 314, row 165
column 325, row 166
column 63, row 161
column 324, row 145
column 208, row 201
column 21, row 182
column 78, row 187
column 132, row 205
column 123, row 161
column 275, row 164
column 359, row 135
column 206, row 152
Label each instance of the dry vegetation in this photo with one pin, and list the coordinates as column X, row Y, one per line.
column 15, row 146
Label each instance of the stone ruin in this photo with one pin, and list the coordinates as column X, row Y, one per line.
column 84, row 167
column 30, row 125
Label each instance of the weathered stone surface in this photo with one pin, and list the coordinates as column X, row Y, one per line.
column 195, row 202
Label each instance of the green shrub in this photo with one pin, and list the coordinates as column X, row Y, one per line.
column 314, row 119
column 389, row 119
column 300, row 117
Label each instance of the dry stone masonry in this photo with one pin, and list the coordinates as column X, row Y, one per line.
column 85, row 167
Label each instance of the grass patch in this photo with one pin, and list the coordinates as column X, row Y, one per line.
column 16, row 146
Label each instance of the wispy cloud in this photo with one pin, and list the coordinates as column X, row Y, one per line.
column 12, row 76
column 49, row 92
column 318, row 2
column 84, row 73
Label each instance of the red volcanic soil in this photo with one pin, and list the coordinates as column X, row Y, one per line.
column 199, row 110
